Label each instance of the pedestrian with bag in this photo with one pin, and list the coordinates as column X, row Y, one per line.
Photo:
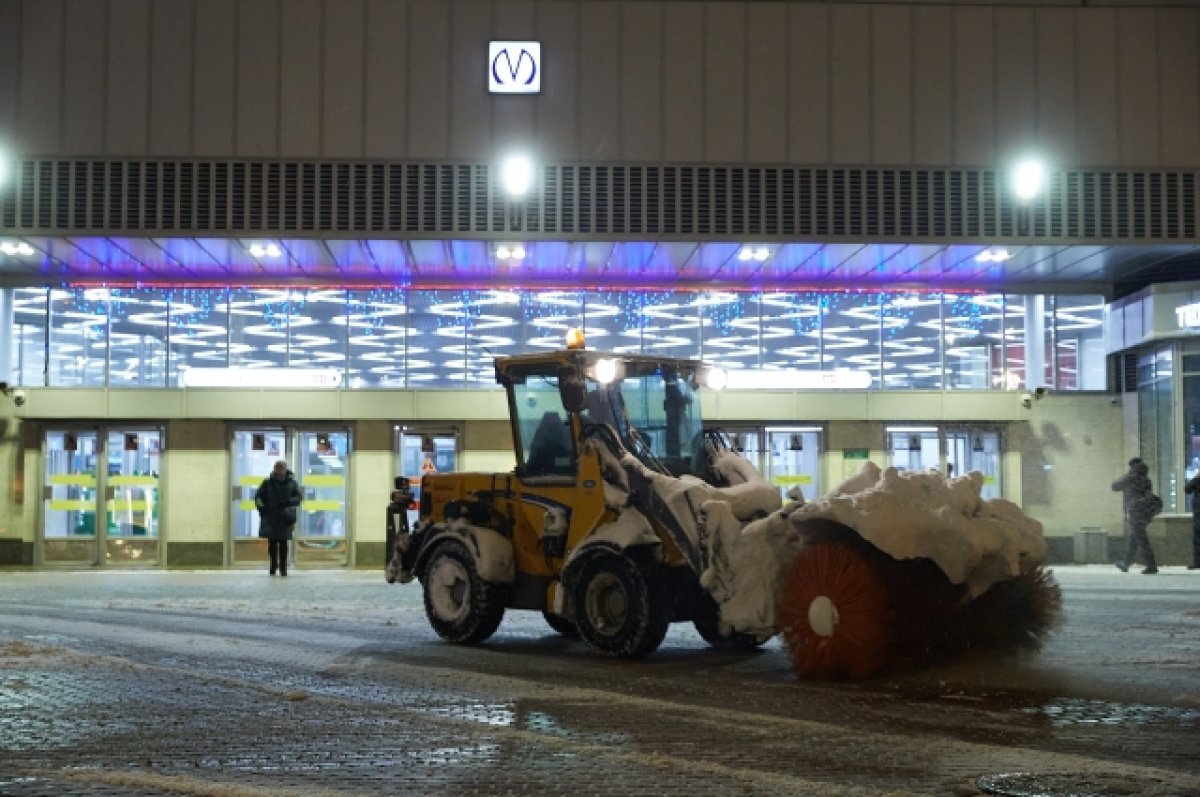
column 277, row 499
column 1141, row 505
column 1193, row 488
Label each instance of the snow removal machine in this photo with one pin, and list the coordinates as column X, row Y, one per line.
column 625, row 514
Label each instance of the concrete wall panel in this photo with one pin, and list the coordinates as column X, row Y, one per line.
column 556, row 115
column 471, row 108
column 128, row 78
column 598, row 103
column 258, row 79
column 429, row 80
column 933, row 85
column 1179, row 105
column 216, row 87
column 766, row 84
column 891, row 84
column 41, row 80
column 171, row 84
column 1137, row 86
column 300, row 80
column 683, row 83
column 850, row 66
column 10, row 69
column 84, row 67
column 1096, row 135
column 385, row 116
column 808, row 84
column 342, row 84
column 974, row 87
column 725, row 82
column 1016, row 79
column 1056, row 84
column 641, row 87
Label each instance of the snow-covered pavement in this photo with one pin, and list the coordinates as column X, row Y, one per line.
column 331, row 682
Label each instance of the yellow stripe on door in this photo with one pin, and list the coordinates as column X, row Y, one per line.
column 132, row 481
column 77, row 479
column 71, row 505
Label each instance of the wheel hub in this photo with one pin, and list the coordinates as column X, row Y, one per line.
column 607, row 604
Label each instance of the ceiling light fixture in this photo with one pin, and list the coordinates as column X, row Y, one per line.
column 516, row 174
column 756, row 253
column 993, row 256
column 265, row 250
column 510, row 252
column 16, row 248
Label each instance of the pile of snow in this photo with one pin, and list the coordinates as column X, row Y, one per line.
column 975, row 542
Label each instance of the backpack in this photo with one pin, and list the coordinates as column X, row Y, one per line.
column 1149, row 506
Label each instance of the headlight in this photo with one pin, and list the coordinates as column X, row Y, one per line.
column 715, row 378
column 606, row 370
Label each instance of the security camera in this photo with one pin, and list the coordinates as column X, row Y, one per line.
column 1040, row 392
column 1026, row 400
column 3, row 388
column 19, row 398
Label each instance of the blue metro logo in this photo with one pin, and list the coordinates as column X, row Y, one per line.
column 515, row 67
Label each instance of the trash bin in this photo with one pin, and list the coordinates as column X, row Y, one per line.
column 1091, row 546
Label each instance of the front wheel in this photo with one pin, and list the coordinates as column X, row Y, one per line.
column 621, row 603
column 708, row 627
column 460, row 605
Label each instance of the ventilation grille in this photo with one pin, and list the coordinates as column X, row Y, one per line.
column 613, row 201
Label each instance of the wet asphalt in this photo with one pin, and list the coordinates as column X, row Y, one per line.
column 331, row 683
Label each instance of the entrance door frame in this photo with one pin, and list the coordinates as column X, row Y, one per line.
column 291, row 437
column 102, row 430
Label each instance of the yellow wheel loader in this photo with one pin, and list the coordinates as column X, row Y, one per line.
column 607, row 551
column 624, row 515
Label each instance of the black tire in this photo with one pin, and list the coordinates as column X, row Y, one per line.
column 561, row 625
column 461, row 606
column 622, row 608
column 708, row 627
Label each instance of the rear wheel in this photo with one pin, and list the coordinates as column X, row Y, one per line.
column 621, row 605
column 461, row 606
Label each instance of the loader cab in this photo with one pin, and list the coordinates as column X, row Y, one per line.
column 651, row 403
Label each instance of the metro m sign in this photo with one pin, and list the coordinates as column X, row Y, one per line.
column 515, row 67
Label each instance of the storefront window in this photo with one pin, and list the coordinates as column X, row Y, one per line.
column 137, row 338
column 791, row 331
column 197, row 331
column 317, row 330
column 912, row 341
column 378, row 337
column 850, row 328
column 258, row 328
column 1079, row 343
column 974, row 355
column 730, row 329
column 29, row 336
column 1191, row 422
column 78, row 337
column 437, row 342
column 1156, row 421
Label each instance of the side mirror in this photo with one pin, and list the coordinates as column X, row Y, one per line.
column 572, row 389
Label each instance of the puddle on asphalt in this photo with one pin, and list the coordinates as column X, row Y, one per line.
column 1069, row 712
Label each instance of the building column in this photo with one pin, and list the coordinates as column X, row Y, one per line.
column 1035, row 341
column 6, row 323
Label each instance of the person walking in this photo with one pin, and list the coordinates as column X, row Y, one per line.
column 277, row 498
column 1138, row 500
column 1193, row 487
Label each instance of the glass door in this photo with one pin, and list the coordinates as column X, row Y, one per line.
column 747, row 442
column 421, row 452
column 975, row 449
column 70, row 499
column 914, row 448
column 320, row 535
column 255, row 452
column 131, row 496
column 794, row 460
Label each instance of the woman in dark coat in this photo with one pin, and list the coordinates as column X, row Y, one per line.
column 277, row 498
